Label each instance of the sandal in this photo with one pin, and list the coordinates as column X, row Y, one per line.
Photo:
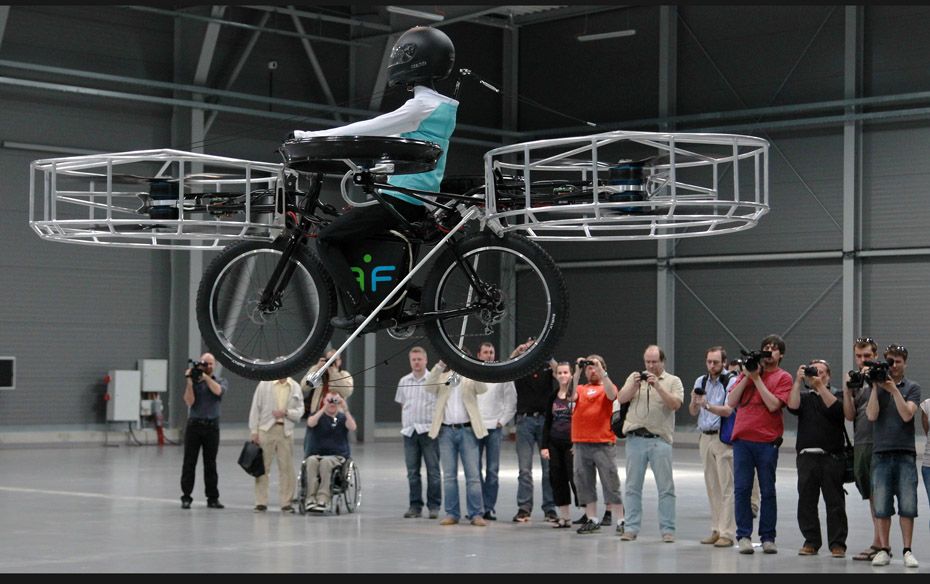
column 867, row 555
column 560, row 523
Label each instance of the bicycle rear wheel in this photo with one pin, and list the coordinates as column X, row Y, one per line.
column 258, row 341
column 535, row 306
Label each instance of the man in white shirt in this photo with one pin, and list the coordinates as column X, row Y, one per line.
column 497, row 406
column 418, row 407
column 276, row 406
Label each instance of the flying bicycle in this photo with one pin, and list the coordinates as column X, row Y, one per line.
column 264, row 303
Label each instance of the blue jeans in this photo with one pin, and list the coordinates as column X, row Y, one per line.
column 657, row 453
column 453, row 444
column 489, row 451
column 749, row 459
column 894, row 474
column 420, row 447
column 529, row 438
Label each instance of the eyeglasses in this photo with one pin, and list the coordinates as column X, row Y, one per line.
column 897, row 349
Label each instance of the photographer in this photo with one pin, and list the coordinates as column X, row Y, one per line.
column 330, row 426
column 760, row 392
column 654, row 396
column 709, row 404
column 334, row 379
column 820, row 460
column 203, row 393
column 892, row 404
column 856, row 392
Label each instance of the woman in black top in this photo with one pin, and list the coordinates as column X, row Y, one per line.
column 556, row 444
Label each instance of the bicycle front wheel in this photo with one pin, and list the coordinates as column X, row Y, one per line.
column 267, row 340
column 522, row 290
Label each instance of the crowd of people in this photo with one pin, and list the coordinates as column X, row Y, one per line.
column 573, row 425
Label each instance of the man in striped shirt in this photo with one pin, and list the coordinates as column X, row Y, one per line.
column 416, row 417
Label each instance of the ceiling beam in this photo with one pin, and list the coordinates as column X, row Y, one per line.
column 326, row 17
column 208, row 48
column 314, row 62
column 4, row 16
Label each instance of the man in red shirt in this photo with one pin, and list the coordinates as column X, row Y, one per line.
column 593, row 442
column 759, row 394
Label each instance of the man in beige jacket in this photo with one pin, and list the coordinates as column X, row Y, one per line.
column 276, row 406
column 457, row 424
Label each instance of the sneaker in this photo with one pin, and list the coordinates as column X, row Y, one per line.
column 479, row 521
column 551, row 516
column 723, row 542
column 412, row 512
column 316, row 508
column 260, row 508
column 882, row 558
column 628, row 536
column 768, row 547
column 434, row 513
column 712, row 538
column 215, row 504
column 581, row 520
column 490, row 516
column 347, row 322
column 807, row 550
column 608, row 517
column 745, row 546
column 668, row 538
column 621, row 527
column 909, row 560
column 589, row 527
column 522, row 516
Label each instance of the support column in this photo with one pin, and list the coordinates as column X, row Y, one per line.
column 510, row 71
column 852, row 141
column 665, row 277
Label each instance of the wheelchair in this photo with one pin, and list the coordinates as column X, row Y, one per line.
column 346, row 489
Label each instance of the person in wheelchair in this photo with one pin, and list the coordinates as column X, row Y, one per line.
column 419, row 58
column 330, row 427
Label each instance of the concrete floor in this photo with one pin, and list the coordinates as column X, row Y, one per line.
column 116, row 509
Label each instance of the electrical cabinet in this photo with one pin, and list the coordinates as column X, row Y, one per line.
column 125, row 394
column 154, row 374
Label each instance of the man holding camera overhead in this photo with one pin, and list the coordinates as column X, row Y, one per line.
column 759, row 393
column 202, row 394
column 654, row 396
column 820, row 461
column 891, row 408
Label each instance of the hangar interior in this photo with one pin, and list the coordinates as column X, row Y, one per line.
column 840, row 92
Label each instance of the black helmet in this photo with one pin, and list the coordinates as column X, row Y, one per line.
column 421, row 54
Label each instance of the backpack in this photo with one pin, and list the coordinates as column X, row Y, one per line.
column 617, row 418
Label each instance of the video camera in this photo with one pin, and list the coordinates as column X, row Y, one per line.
column 879, row 371
column 753, row 359
column 197, row 369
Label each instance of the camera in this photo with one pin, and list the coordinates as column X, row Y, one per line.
column 197, row 369
column 811, row 371
column 643, row 375
column 753, row 358
column 333, row 400
column 584, row 363
column 856, row 380
column 879, row 371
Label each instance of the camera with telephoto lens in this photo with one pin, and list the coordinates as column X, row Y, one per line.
column 197, row 369
column 856, row 380
column 753, row 358
column 879, row 371
column 811, row 371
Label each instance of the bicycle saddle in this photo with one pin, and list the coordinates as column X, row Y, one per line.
column 328, row 154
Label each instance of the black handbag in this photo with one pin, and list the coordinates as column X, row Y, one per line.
column 617, row 418
column 251, row 459
column 849, row 474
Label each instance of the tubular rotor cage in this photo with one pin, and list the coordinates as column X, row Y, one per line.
column 623, row 185
column 156, row 198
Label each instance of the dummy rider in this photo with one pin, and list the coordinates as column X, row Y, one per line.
column 421, row 56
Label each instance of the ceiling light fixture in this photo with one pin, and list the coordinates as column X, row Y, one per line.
column 415, row 13
column 606, row 35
